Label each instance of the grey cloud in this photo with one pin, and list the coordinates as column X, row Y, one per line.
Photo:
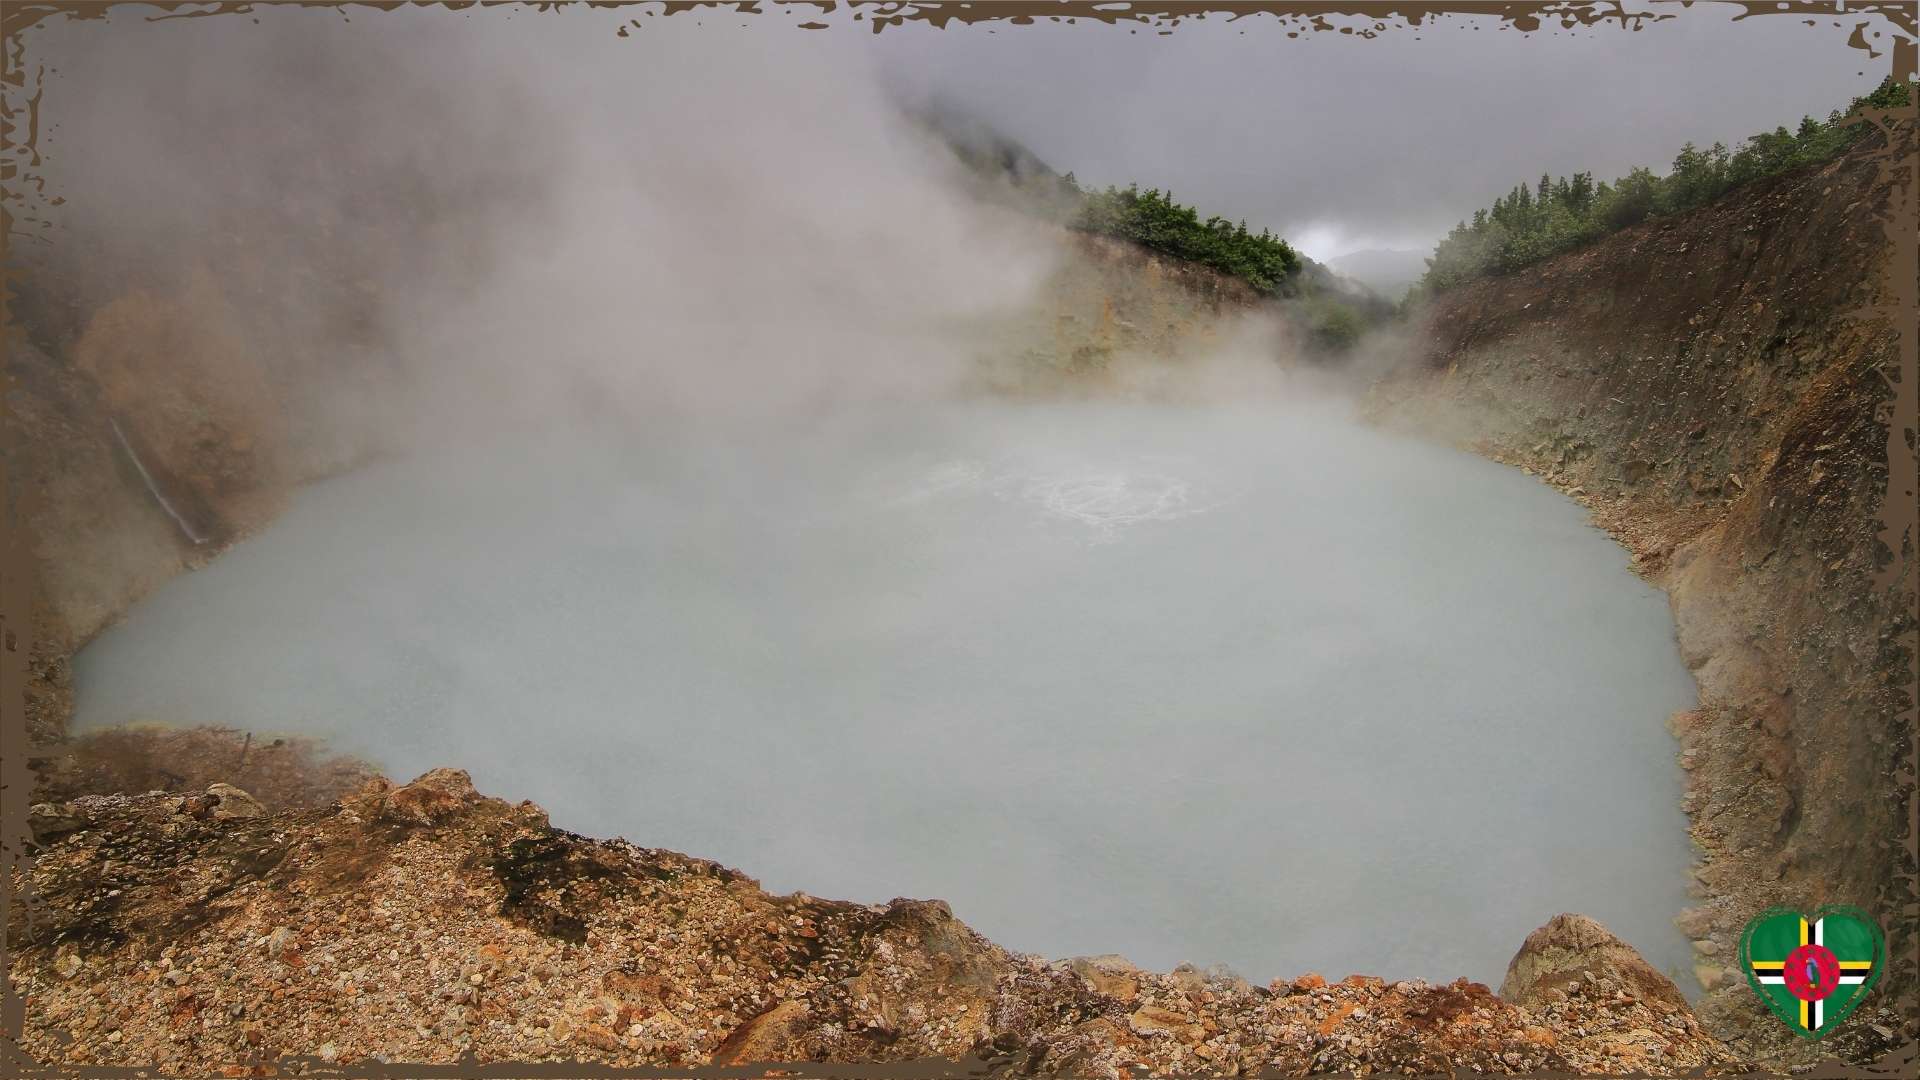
column 1350, row 143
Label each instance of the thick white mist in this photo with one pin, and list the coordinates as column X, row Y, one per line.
column 436, row 227
column 1205, row 685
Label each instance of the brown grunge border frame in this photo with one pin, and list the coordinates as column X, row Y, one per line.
column 1880, row 27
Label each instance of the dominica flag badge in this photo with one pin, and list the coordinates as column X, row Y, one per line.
column 1813, row 972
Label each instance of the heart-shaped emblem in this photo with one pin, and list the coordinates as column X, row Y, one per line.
column 1813, row 971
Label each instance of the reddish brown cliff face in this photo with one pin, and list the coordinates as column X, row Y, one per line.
column 1703, row 384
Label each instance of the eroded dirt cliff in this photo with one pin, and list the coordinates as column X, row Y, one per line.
column 152, row 420
column 1703, row 383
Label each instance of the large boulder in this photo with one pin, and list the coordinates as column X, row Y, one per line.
column 1561, row 954
column 50, row 821
column 229, row 803
column 435, row 798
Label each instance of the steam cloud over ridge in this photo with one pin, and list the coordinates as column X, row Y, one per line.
column 696, row 224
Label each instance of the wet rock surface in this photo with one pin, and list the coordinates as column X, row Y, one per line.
column 427, row 921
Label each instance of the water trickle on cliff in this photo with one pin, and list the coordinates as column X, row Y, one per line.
column 1239, row 686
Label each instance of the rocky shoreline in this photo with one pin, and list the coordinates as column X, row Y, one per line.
column 427, row 922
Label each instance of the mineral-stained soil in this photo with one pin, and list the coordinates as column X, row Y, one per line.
column 278, row 772
column 425, row 922
column 1703, row 383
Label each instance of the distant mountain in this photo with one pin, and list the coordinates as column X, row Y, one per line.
column 980, row 145
column 1387, row 271
column 1004, row 170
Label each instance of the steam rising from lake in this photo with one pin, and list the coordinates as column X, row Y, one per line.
column 1222, row 684
column 1248, row 686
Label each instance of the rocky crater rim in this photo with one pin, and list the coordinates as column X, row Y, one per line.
column 425, row 921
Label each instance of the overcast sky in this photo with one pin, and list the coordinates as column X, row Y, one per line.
column 1342, row 143
column 1337, row 142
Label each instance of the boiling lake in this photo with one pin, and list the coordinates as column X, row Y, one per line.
column 1246, row 686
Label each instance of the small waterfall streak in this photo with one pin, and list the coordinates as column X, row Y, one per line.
column 153, row 488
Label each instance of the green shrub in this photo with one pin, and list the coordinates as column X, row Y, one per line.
column 1333, row 326
column 1156, row 222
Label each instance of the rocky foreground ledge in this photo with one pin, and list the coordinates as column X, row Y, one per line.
column 422, row 923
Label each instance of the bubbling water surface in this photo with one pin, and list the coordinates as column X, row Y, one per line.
column 1244, row 686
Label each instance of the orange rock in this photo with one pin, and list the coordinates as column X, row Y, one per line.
column 1109, row 975
column 597, row 1037
column 432, row 799
column 771, row 1036
column 1331, row 1022
column 1153, row 1020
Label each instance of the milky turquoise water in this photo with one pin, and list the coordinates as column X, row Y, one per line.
column 1252, row 687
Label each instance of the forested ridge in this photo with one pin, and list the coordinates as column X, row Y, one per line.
column 1534, row 221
